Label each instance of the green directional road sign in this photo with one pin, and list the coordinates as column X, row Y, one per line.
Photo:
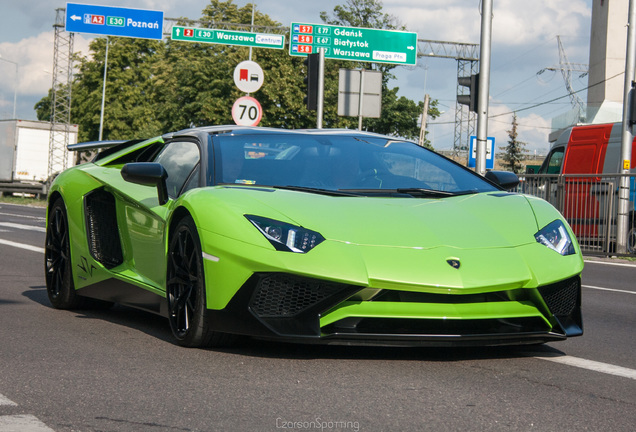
column 228, row 37
column 354, row 43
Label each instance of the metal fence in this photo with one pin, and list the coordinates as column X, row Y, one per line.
column 589, row 204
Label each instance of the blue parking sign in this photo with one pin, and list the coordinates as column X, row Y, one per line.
column 490, row 152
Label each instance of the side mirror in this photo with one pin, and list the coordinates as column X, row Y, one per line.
column 147, row 174
column 505, row 179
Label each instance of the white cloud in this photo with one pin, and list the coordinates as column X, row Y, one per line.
column 532, row 129
column 514, row 22
column 35, row 56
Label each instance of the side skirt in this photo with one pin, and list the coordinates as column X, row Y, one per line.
column 117, row 291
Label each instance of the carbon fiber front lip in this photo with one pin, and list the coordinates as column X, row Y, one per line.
column 394, row 340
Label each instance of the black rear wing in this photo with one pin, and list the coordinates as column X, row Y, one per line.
column 106, row 147
column 96, row 145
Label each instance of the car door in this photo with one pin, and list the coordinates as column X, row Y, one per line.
column 146, row 224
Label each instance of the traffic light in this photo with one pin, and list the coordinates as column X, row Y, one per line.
column 312, row 63
column 472, row 98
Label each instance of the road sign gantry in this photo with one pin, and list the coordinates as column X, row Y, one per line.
column 354, row 43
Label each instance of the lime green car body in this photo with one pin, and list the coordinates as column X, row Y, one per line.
column 390, row 268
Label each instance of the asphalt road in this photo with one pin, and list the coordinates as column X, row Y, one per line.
column 118, row 370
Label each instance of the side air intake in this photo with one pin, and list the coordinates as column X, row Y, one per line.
column 101, row 228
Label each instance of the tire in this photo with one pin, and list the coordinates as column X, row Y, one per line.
column 185, row 290
column 57, row 260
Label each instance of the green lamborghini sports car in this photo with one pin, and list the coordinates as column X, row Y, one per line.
column 330, row 236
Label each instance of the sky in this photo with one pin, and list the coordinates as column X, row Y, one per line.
column 524, row 42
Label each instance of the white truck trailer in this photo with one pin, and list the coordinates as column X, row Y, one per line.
column 24, row 155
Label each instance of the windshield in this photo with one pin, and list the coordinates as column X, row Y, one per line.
column 333, row 162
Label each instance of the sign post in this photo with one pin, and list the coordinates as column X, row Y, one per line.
column 354, row 85
column 354, row 43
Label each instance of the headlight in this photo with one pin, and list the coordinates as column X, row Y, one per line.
column 286, row 237
column 556, row 237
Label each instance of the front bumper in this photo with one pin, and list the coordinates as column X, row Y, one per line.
column 289, row 307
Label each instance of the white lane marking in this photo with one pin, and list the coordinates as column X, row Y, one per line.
column 6, row 401
column 22, row 246
column 608, row 289
column 610, row 263
column 40, row 218
column 592, row 365
column 22, row 423
column 23, row 227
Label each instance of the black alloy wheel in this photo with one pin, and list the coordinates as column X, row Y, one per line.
column 57, row 260
column 185, row 290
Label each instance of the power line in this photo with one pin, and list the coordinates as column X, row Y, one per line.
column 556, row 99
column 539, row 104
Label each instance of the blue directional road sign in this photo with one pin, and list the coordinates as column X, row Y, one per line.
column 114, row 21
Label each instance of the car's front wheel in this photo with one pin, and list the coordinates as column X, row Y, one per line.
column 57, row 260
column 185, row 290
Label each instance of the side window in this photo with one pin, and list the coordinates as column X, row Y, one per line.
column 193, row 181
column 179, row 158
column 552, row 165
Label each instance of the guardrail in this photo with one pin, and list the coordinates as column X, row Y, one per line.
column 589, row 204
column 37, row 189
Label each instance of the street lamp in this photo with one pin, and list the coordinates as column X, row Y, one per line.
column 15, row 90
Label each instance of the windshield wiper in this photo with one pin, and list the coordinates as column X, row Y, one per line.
column 414, row 192
column 328, row 192
column 423, row 192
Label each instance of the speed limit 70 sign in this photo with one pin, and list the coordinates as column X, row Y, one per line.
column 246, row 111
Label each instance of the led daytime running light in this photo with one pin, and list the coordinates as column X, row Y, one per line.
column 555, row 236
column 286, row 237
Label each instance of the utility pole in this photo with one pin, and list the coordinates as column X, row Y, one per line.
column 484, row 86
column 424, row 120
column 627, row 136
column 101, row 113
column 321, row 88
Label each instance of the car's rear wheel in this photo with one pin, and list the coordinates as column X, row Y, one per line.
column 185, row 290
column 57, row 260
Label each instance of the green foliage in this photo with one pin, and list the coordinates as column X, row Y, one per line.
column 43, row 107
column 128, row 111
column 155, row 86
column 514, row 151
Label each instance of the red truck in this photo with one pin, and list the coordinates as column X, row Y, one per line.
column 589, row 156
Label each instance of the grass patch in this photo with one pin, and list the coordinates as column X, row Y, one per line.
column 21, row 200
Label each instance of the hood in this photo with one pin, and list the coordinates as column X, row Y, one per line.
column 486, row 220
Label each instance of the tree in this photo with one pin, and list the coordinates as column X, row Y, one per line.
column 515, row 150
